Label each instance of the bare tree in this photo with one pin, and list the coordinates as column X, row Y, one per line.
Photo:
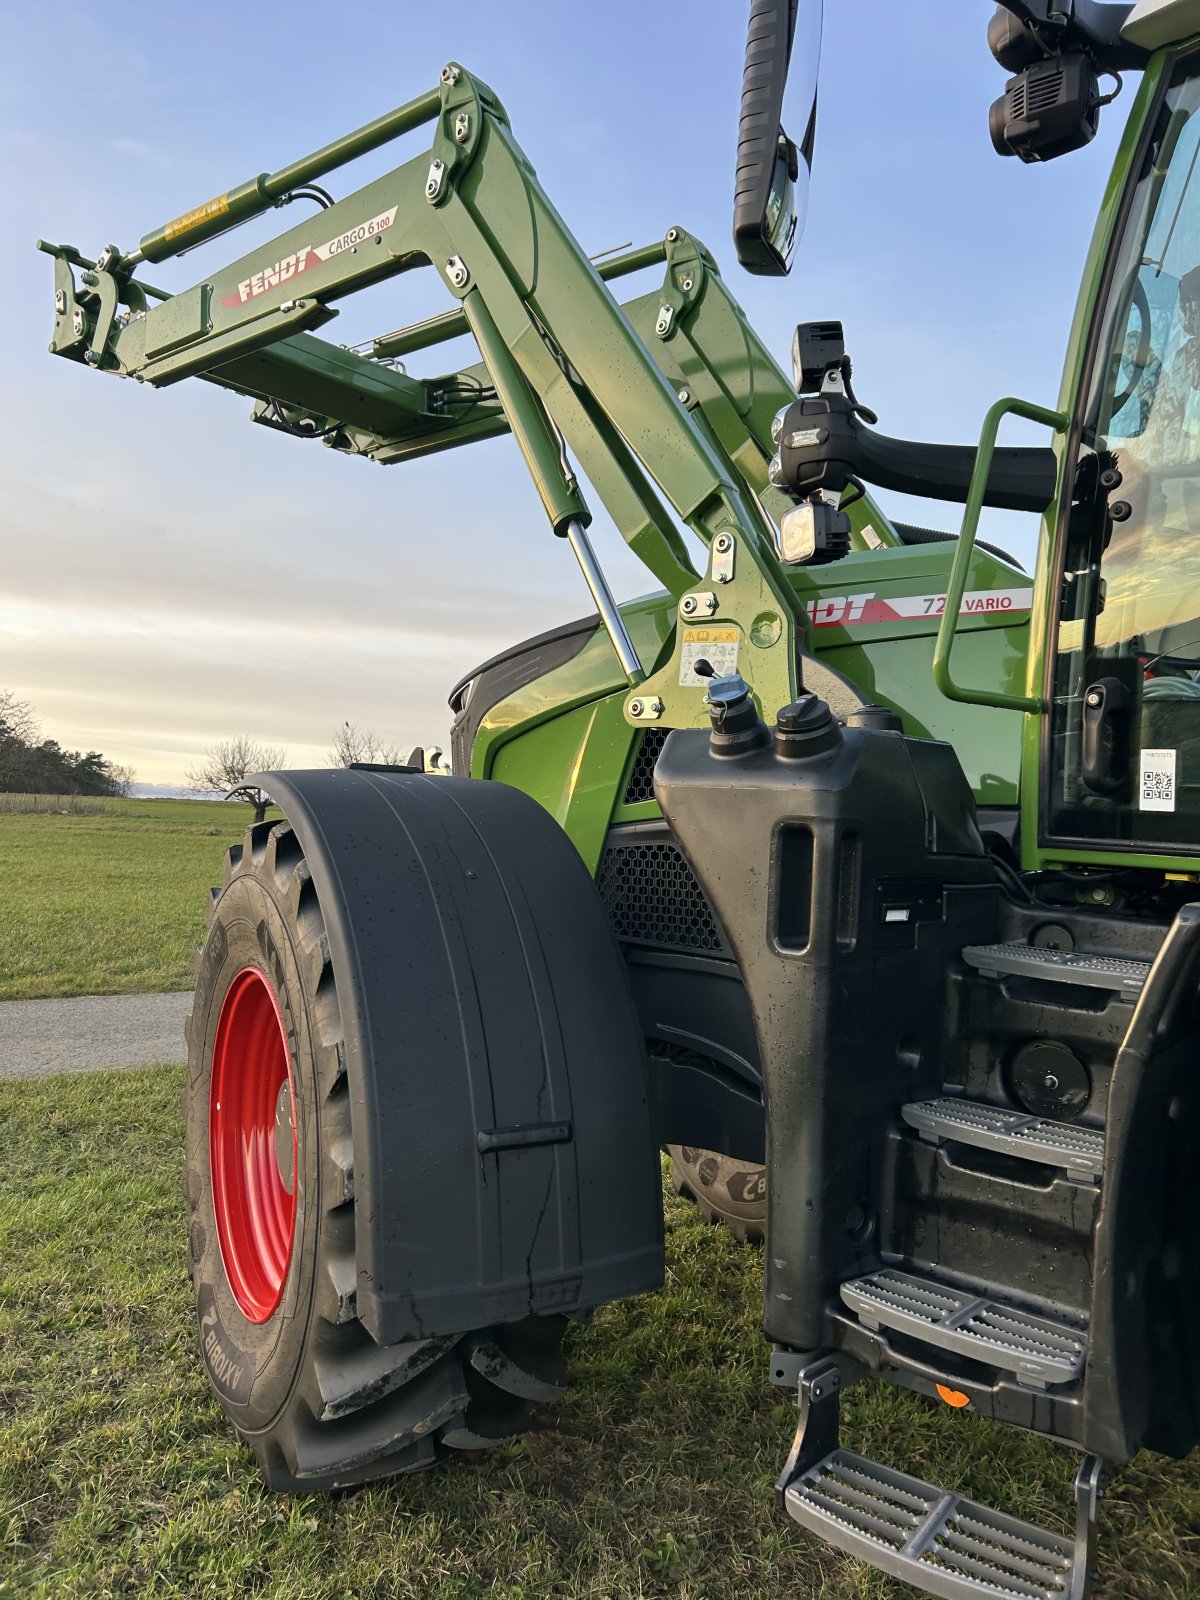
column 354, row 743
column 122, row 780
column 226, row 766
column 17, row 719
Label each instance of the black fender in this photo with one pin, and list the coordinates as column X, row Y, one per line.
column 505, row 1161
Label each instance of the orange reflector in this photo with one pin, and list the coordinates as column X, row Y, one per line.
column 953, row 1397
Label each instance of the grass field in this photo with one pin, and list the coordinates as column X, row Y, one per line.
column 111, row 903
column 119, row 1475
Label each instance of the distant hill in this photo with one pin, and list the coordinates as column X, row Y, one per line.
column 166, row 791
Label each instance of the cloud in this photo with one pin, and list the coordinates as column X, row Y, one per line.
column 129, row 147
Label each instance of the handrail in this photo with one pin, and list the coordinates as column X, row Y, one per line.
column 956, row 588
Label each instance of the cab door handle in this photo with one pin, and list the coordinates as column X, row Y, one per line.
column 1104, row 758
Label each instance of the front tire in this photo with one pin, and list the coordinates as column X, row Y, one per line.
column 271, row 1226
column 723, row 1189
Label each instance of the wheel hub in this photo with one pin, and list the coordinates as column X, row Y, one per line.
column 285, row 1137
column 252, row 1144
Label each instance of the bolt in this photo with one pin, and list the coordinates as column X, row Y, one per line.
column 687, row 284
column 672, row 235
column 450, row 74
column 722, row 543
column 1051, row 1081
column 688, row 604
column 92, row 359
column 1095, row 698
column 685, row 397
column 60, row 300
column 456, row 271
column 664, row 319
column 636, row 708
column 462, row 127
column 433, row 183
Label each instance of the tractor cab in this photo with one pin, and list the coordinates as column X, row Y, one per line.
column 1123, row 769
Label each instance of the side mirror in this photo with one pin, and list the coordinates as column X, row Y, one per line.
column 771, row 189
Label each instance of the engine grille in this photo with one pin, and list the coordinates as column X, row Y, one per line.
column 641, row 776
column 652, row 898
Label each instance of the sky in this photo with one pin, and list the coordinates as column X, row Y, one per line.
column 171, row 576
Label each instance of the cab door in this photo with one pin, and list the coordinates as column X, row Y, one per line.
column 1122, row 770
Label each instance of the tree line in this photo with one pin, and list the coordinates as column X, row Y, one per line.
column 227, row 764
column 30, row 764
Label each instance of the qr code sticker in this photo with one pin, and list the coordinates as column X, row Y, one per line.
column 1158, row 780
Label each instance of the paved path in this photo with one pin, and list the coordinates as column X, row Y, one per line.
column 39, row 1038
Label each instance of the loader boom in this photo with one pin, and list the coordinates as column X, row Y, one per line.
column 563, row 365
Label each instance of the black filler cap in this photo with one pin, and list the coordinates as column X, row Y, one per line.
column 878, row 719
column 806, row 728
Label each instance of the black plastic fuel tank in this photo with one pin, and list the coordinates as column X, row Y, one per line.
column 846, row 867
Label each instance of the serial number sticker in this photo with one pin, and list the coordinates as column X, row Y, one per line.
column 1158, row 780
column 717, row 646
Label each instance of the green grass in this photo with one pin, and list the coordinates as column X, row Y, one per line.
column 108, row 903
column 119, row 1475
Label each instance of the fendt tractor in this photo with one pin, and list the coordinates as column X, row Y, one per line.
column 858, row 868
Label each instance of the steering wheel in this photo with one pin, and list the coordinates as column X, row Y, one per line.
column 1140, row 358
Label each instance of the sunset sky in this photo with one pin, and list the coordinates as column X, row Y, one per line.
column 170, row 575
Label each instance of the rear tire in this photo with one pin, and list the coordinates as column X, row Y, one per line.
column 319, row 1401
column 723, row 1189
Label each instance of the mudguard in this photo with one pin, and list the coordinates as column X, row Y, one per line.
column 504, row 1153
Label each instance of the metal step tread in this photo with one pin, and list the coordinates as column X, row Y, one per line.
column 1121, row 974
column 1055, row 1144
column 925, row 1536
column 1037, row 1351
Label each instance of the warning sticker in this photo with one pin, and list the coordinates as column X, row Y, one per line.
column 1158, row 780
column 195, row 219
column 717, row 646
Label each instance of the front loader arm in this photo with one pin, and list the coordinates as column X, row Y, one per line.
column 562, row 359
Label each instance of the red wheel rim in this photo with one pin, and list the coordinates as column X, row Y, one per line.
column 252, row 1110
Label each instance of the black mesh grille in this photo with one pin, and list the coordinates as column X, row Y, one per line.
column 641, row 779
column 652, row 897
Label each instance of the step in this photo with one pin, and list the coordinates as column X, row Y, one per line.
column 925, row 1536
column 1037, row 1351
column 1119, row 974
column 1079, row 1151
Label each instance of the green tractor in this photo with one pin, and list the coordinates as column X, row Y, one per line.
column 854, row 868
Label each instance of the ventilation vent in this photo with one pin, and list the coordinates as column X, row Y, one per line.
column 1044, row 92
column 652, row 897
column 1035, row 92
column 641, row 779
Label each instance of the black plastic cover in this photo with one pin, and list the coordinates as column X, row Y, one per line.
column 823, row 444
column 481, row 990
column 846, row 882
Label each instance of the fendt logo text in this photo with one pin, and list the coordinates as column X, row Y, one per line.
column 308, row 255
column 842, row 610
